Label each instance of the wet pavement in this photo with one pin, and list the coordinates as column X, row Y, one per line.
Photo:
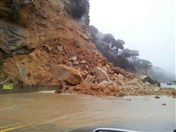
column 43, row 112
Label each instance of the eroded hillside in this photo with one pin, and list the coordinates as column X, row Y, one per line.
column 49, row 43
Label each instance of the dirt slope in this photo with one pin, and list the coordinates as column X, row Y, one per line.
column 39, row 35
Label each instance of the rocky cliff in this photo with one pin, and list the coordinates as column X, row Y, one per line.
column 37, row 35
column 47, row 42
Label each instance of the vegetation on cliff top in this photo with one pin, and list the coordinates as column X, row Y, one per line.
column 113, row 49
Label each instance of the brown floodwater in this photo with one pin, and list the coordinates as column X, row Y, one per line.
column 61, row 112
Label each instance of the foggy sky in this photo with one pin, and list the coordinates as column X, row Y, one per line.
column 145, row 25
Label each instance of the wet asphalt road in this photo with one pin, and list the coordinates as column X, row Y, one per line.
column 43, row 112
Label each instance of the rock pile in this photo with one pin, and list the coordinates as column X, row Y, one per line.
column 101, row 85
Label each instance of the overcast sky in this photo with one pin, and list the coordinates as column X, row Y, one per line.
column 145, row 25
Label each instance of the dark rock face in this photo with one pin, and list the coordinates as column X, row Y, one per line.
column 78, row 9
column 10, row 9
column 14, row 39
column 150, row 80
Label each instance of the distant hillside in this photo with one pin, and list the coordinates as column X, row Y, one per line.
column 162, row 75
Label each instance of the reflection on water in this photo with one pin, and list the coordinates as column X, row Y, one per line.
column 54, row 112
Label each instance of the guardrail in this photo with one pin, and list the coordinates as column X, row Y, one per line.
column 10, row 88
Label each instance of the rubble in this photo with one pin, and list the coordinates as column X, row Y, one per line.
column 83, row 62
column 90, row 79
column 60, row 48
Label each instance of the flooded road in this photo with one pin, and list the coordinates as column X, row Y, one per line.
column 43, row 112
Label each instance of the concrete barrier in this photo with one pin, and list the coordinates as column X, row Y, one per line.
column 10, row 88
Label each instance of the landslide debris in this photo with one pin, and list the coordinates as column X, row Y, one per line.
column 49, row 43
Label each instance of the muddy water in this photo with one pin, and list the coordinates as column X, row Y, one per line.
column 54, row 112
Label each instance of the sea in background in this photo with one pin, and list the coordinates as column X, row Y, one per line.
column 165, row 85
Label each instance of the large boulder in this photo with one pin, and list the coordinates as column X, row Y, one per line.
column 15, row 71
column 149, row 80
column 67, row 74
column 101, row 75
